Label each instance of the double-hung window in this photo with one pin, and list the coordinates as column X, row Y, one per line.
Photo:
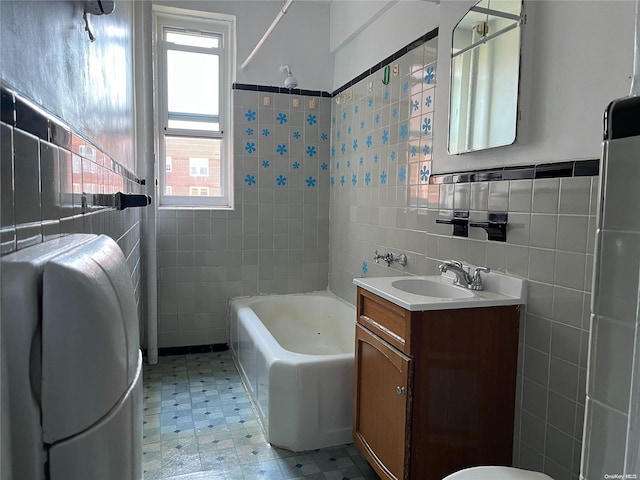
column 194, row 58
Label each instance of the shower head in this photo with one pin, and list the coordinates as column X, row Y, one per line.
column 290, row 81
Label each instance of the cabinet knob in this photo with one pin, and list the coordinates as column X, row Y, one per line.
column 400, row 390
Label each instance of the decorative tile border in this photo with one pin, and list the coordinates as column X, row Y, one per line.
column 578, row 168
column 391, row 58
column 271, row 89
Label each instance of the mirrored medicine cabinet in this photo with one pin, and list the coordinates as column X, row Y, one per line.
column 485, row 71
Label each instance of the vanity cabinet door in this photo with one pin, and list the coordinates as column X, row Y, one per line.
column 382, row 404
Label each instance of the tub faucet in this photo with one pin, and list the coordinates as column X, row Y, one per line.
column 464, row 277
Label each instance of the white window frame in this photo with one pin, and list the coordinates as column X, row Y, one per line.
column 224, row 25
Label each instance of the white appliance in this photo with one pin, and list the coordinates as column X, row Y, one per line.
column 73, row 380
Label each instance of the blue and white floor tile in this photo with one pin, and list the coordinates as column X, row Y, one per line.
column 199, row 425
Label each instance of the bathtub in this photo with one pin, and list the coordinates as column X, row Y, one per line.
column 295, row 356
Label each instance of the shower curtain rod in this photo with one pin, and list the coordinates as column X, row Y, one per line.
column 281, row 13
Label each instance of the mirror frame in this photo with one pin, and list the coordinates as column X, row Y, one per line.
column 519, row 24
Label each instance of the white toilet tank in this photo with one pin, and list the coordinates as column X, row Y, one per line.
column 70, row 337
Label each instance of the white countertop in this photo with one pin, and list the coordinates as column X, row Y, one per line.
column 499, row 290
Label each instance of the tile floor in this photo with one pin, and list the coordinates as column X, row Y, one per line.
column 199, row 425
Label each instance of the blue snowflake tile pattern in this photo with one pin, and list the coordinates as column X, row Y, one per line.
column 324, row 166
column 281, row 118
column 385, row 137
column 376, row 157
column 311, row 151
column 295, row 165
column 393, row 155
column 265, row 132
column 296, row 135
column 250, row 179
column 367, row 178
column 369, row 141
column 365, row 267
column 404, row 131
column 324, row 137
column 429, row 75
column 383, row 177
column 426, row 125
column 249, row 131
column 251, row 115
column 281, row 180
column 281, row 149
column 354, row 179
column 250, row 147
column 413, row 151
column 312, row 119
column 426, row 150
column 428, row 101
column 415, row 105
column 424, row 173
column 342, row 180
column 333, row 151
column 370, row 102
column 265, row 163
column 311, row 182
column 361, row 161
column 332, row 181
column 402, row 174
column 355, row 145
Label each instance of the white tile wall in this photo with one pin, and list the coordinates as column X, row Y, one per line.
column 611, row 434
column 547, row 243
column 276, row 240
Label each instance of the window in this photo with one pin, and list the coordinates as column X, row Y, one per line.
column 199, row 167
column 199, row 191
column 195, row 61
column 88, row 152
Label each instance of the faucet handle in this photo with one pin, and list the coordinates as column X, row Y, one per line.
column 476, row 279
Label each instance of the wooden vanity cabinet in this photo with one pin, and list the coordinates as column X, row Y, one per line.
column 434, row 390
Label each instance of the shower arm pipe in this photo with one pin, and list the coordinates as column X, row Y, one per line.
column 281, row 13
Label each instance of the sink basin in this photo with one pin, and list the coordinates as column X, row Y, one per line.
column 437, row 292
column 427, row 288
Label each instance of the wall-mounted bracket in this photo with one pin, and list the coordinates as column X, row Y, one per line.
column 460, row 222
column 120, row 200
column 496, row 226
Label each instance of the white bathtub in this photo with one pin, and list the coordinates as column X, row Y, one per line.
column 295, row 356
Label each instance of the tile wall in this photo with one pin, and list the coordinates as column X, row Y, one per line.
column 384, row 198
column 52, row 180
column 612, row 439
column 276, row 240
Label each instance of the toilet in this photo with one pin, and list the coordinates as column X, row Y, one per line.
column 496, row 473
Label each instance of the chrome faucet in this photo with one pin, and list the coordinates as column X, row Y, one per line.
column 464, row 278
column 390, row 258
